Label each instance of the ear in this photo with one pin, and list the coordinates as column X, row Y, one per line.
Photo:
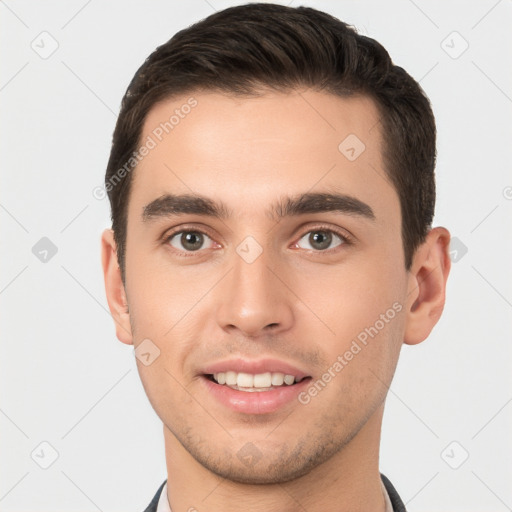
column 427, row 285
column 114, row 287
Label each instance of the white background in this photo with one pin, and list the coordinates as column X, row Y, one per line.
column 67, row 380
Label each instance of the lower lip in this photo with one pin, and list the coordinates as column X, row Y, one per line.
column 255, row 402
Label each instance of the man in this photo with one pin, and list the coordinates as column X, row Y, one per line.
column 272, row 189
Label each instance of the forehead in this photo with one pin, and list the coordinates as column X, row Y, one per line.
column 248, row 151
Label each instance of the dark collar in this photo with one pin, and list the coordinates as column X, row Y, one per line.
column 396, row 501
column 154, row 502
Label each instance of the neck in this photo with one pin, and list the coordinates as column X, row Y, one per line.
column 348, row 481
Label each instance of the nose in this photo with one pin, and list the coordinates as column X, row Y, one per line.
column 255, row 298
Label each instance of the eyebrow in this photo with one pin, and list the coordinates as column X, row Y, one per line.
column 170, row 205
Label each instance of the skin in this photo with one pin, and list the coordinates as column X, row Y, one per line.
column 212, row 305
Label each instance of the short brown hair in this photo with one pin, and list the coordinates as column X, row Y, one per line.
column 248, row 48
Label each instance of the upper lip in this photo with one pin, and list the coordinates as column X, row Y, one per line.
column 254, row 366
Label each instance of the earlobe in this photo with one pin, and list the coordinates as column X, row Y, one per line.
column 114, row 288
column 427, row 285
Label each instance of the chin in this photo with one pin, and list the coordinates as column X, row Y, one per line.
column 265, row 475
column 273, row 466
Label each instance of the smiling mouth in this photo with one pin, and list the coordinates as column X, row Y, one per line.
column 241, row 381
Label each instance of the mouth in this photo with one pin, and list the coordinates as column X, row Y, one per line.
column 254, row 387
column 260, row 382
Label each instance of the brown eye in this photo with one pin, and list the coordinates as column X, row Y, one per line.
column 321, row 239
column 188, row 241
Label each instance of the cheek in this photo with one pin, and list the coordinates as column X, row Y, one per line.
column 363, row 307
column 349, row 298
column 167, row 393
column 361, row 356
column 166, row 307
column 159, row 294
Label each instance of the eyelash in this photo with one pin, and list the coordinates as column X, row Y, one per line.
column 346, row 239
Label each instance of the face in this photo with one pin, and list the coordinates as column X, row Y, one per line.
column 300, row 302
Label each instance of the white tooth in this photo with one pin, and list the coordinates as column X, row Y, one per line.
column 221, row 378
column 262, row 380
column 231, row 378
column 277, row 379
column 289, row 379
column 245, row 380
